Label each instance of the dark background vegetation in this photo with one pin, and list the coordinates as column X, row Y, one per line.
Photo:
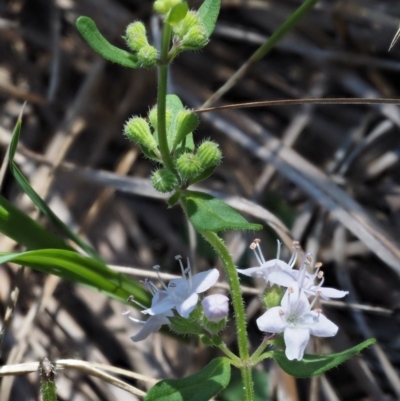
column 330, row 174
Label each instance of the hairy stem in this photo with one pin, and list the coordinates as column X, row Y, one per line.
column 162, row 97
column 238, row 307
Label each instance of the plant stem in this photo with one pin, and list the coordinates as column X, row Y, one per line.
column 162, row 98
column 238, row 307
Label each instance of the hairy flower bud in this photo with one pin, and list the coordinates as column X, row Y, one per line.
column 153, row 117
column 195, row 39
column 188, row 165
column 209, row 154
column 147, row 56
column 135, row 36
column 191, row 19
column 186, row 122
column 137, row 130
column 164, row 6
column 164, row 180
column 272, row 296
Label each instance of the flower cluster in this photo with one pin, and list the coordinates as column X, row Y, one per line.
column 295, row 317
column 180, row 295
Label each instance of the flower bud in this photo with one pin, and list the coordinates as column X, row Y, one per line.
column 164, row 180
column 216, row 310
column 209, row 154
column 163, row 6
column 137, row 129
column 135, row 36
column 191, row 19
column 272, row 296
column 215, row 307
column 147, row 56
column 153, row 117
column 188, row 165
column 186, row 122
column 195, row 39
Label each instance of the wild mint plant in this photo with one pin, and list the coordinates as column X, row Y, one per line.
column 165, row 136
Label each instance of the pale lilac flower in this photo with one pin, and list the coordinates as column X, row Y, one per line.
column 297, row 321
column 267, row 267
column 153, row 323
column 306, row 281
column 182, row 294
column 215, row 307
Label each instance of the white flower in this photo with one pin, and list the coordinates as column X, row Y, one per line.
column 215, row 307
column 296, row 319
column 153, row 323
column 306, row 281
column 270, row 266
column 182, row 293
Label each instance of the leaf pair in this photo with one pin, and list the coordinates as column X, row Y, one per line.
column 216, row 375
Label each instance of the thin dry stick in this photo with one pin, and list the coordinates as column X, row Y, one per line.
column 92, row 369
column 123, row 167
column 88, row 368
column 291, row 102
column 262, row 50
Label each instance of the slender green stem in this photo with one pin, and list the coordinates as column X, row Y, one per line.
column 162, row 97
column 261, row 357
column 238, row 307
column 282, row 30
column 259, row 350
column 235, row 360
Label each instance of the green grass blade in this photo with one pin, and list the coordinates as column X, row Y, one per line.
column 38, row 201
column 27, row 232
column 81, row 269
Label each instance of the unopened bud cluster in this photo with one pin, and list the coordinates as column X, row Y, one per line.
column 136, row 39
column 189, row 165
column 190, row 33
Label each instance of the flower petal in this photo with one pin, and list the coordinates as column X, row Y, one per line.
column 187, row 306
column 163, row 306
column 152, row 325
column 322, row 326
column 253, row 271
column 283, row 278
column 296, row 340
column 271, row 321
column 327, row 293
column 203, row 281
column 295, row 301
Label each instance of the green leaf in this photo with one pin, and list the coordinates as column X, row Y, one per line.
column 199, row 387
column 38, row 201
column 14, row 139
column 88, row 29
column 211, row 214
column 177, row 13
column 203, row 175
column 81, row 269
column 208, row 13
column 313, row 365
column 27, row 232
